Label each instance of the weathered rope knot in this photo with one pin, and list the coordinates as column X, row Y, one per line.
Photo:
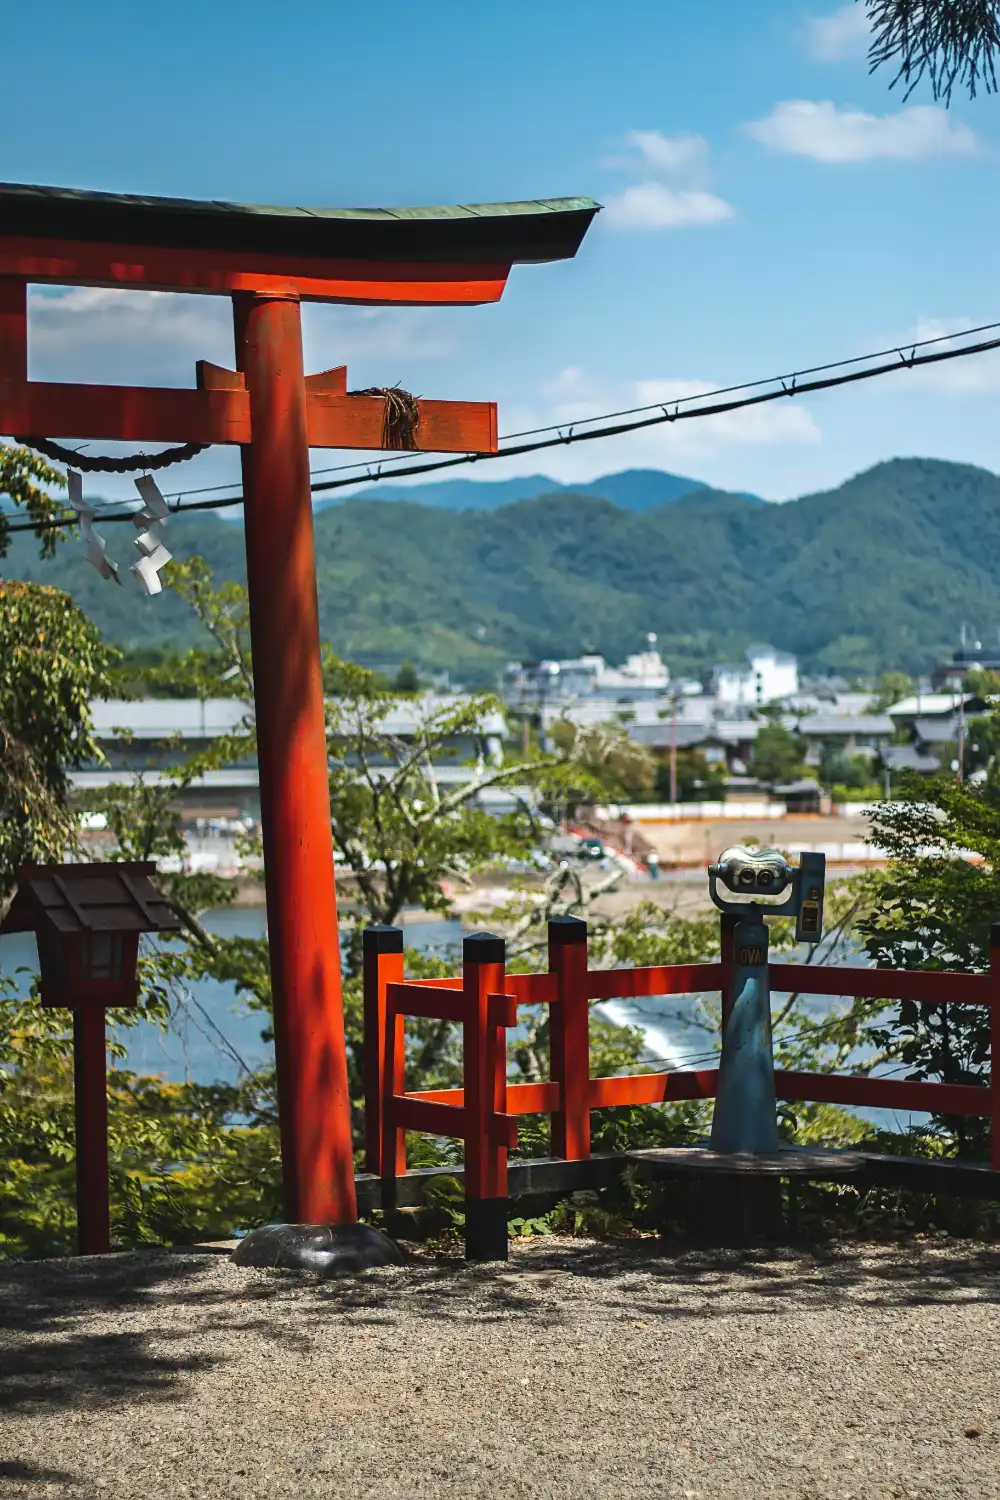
column 400, row 417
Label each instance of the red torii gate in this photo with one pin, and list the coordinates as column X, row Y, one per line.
column 268, row 260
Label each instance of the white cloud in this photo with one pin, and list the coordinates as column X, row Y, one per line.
column 823, row 132
column 753, row 426
column 654, row 205
column 652, row 202
column 979, row 374
column 668, row 155
column 715, row 449
column 844, row 34
column 97, row 334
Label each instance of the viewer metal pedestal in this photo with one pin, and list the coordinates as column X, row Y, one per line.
column 737, row 1195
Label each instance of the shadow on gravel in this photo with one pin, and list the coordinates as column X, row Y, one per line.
column 52, row 1356
column 49, row 1356
column 18, row 1473
column 542, row 1283
column 660, row 1280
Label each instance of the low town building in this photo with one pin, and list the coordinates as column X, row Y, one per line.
column 557, row 683
column 864, row 734
column 148, row 736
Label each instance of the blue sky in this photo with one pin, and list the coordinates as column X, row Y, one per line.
column 769, row 206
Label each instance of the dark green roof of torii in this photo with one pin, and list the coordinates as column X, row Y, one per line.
column 507, row 233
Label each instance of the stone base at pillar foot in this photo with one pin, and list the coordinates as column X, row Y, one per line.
column 329, row 1249
column 486, row 1228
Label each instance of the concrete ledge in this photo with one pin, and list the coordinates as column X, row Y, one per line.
column 549, row 1174
column 539, row 1174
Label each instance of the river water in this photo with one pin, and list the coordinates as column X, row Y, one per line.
column 213, row 1036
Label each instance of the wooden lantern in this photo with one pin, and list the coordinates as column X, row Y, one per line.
column 87, row 920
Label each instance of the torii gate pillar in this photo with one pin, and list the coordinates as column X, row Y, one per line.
column 313, row 1099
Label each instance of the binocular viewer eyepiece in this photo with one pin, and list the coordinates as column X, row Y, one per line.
column 743, row 871
column 757, row 873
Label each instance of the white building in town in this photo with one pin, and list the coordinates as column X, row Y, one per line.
column 768, row 675
column 556, row 683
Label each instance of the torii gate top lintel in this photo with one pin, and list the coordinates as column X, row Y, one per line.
column 459, row 254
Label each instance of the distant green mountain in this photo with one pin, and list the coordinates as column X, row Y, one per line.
column 633, row 489
column 880, row 572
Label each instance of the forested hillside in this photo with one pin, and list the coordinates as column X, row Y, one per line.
column 879, row 572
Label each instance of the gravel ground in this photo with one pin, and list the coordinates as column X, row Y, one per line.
column 580, row 1371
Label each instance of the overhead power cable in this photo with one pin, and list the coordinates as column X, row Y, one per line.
column 681, row 410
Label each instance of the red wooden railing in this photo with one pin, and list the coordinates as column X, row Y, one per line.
column 484, row 1002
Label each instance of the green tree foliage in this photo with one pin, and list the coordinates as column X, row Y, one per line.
column 982, row 682
column 840, row 769
column 697, row 779
column 777, row 754
column 892, row 687
column 406, row 679
column 606, row 762
column 23, row 480
column 53, row 662
column 934, row 910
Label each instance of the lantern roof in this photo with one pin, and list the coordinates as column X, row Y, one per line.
column 542, row 229
column 89, row 898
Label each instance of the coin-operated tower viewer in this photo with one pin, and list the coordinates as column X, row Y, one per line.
column 745, row 1121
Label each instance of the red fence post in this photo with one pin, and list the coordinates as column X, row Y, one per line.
column 393, row 1063
column 569, row 1038
column 995, row 1046
column 90, row 1076
column 485, row 1073
column 382, row 965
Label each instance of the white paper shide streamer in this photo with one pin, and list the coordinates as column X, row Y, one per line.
column 149, row 521
column 95, row 547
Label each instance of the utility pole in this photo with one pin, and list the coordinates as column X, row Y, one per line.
column 673, row 750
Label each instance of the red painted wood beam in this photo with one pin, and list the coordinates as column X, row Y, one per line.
column 121, row 413
column 669, row 979
column 522, row 1098
column 883, row 1093
column 444, row 426
column 13, row 330
column 435, row 1119
column 156, row 268
column 882, row 984
column 653, row 1088
column 428, row 1002
column 90, row 1072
